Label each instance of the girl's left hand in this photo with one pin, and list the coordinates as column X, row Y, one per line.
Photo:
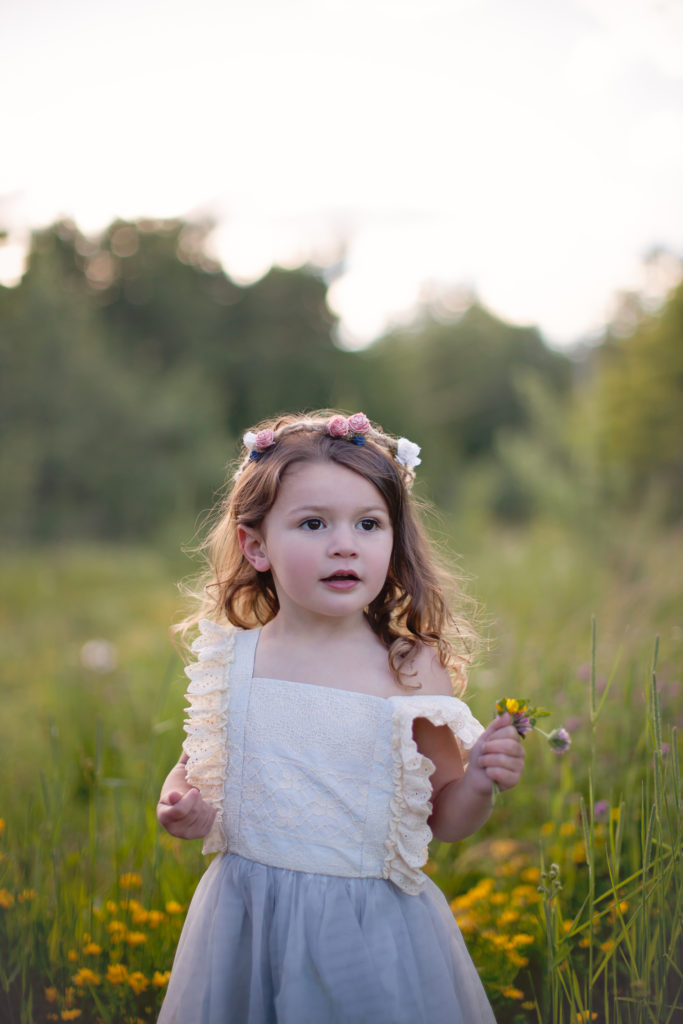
column 497, row 756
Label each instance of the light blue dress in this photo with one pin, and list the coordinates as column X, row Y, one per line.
column 316, row 910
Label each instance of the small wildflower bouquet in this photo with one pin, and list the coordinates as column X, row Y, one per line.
column 524, row 718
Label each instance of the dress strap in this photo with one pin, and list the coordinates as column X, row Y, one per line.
column 207, row 723
column 225, row 660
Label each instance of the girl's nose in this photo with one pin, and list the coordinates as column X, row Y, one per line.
column 343, row 543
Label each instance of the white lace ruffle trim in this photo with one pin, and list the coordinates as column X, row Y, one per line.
column 207, row 722
column 409, row 833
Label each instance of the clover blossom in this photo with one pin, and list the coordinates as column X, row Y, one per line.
column 559, row 740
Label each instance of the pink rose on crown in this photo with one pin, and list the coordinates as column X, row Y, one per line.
column 338, row 426
column 359, row 423
column 264, row 439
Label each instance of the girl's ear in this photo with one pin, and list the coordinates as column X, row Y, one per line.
column 253, row 547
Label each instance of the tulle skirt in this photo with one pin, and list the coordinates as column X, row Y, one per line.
column 264, row 945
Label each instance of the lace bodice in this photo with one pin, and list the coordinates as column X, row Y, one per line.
column 307, row 777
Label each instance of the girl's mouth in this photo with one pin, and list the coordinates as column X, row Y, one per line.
column 341, row 580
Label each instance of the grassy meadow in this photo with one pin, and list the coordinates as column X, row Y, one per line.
column 569, row 899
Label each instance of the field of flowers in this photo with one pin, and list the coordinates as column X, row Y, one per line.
column 569, row 899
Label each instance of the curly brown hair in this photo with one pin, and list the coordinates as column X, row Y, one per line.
column 411, row 610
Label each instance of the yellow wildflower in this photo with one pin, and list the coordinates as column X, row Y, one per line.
column 583, row 1018
column 117, row 974
column 139, row 915
column 26, row 895
column 136, row 938
column 51, row 994
column 615, row 813
column 117, row 930
column 498, row 898
column 579, row 852
column 130, row 881
column 72, row 956
column 92, row 949
column 512, row 866
column 6, row 899
column 70, row 1014
column 138, row 982
column 501, row 848
column 528, row 1006
column 160, row 978
column 568, row 828
column 154, row 918
column 2, row 825
column 484, row 887
column 173, row 908
column 548, row 828
column 513, row 993
column 623, row 906
column 524, row 894
column 85, row 977
column 607, row 946
column 521, row 939
column 111, row 906
column 508, row 917
column 531, row 874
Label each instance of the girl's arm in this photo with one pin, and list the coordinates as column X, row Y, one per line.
column 461, row 803
column 181, row 809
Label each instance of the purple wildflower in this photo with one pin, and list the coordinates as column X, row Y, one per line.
column 522, row 724
column 560, row 741
column 601, row 810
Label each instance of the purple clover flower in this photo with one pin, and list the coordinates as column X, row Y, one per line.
column 522, row 724
column 560, row 741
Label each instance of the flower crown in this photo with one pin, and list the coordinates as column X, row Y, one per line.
column 356, row 429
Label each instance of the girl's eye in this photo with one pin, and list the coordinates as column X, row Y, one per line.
column 368, row 525
column 313, row 524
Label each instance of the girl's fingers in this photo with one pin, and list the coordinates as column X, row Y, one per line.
column 503, row 748
column 178, row 806
column 185, row 814
column 501, row 722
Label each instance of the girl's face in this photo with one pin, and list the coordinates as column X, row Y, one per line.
column 327, row 541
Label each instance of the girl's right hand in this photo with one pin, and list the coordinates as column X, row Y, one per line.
column 185, row 815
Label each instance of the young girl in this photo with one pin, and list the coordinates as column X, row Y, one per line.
column 325, row 747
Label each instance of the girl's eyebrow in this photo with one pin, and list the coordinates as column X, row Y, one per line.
column 363, row 510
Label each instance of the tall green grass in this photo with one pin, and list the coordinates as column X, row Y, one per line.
column 616, row 957
column 569, row 899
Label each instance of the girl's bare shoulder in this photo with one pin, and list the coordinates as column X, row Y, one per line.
column 431, row 677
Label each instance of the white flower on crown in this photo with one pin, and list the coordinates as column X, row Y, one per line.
column 249, row 440
column 407, row 453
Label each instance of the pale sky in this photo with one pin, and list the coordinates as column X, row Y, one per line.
column 531, row 151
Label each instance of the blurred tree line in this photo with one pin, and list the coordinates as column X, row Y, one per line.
column 131, row 365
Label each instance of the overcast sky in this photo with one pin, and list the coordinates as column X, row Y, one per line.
column 531, row 151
